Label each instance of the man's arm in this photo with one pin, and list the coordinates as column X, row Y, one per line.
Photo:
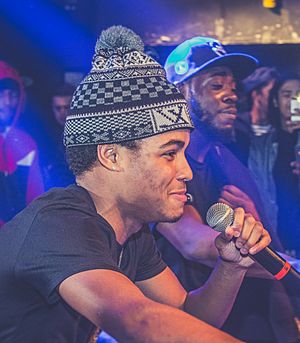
column 211, row 303
column 191, row 237
column 195, row 241
column 250, row 237
column 113, row 303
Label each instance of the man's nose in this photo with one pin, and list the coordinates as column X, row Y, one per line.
column 185, row 171
column 230, row 97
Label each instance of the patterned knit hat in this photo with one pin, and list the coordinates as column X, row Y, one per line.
column 126, row 95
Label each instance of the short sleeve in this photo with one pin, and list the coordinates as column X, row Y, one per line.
column 150, row 263
column 60, row 244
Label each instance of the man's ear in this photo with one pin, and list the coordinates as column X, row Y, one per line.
column 108, row 156
column 275, row 103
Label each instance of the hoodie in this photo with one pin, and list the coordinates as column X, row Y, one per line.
column 20, row 175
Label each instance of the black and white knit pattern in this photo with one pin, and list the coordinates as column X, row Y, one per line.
column 126, row 96
column 124, row 125
column 93, row 94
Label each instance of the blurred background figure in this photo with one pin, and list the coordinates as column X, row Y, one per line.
column 256, row 136
column 286, row 170
column 56, row 171
column 267, row 135
column 61, row 100
column 20, row 175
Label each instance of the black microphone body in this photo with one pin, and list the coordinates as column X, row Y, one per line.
column 219, row 216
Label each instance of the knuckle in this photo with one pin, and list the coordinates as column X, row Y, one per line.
column 239, row 211
column 238, row 225
column 250, row 219
column 259, row 227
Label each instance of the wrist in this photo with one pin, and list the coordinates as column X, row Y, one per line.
column 230, row 266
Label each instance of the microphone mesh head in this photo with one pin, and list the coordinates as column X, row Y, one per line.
column 219, row 216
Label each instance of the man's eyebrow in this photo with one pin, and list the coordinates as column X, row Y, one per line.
column 179, row 143
column 217, row 73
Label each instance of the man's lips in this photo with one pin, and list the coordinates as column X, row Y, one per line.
column 232, row 111
column 179, row 195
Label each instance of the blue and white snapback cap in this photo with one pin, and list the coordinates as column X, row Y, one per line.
column 199, row 53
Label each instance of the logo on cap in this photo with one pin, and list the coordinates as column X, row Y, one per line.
column 181, row 67
column 217, row 48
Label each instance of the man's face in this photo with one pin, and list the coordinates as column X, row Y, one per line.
column 288, row 90
column 9, row 100
column 60, row 107
column 213, row 94
column 154, row 186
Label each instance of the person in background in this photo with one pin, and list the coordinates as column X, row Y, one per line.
column 56, row 172
column 20, row 173
column 269, row 138
column 61, row 100
column 207, row 76
column 256, row 136
column 83, row 258
column 286, row 168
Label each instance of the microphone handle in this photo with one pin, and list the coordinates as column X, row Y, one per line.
column 280, row 268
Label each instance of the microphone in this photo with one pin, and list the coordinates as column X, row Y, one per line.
column 220, row 215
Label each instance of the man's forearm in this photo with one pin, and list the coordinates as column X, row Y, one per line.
column 213, row 302
column 195, row 241
column 154, row 322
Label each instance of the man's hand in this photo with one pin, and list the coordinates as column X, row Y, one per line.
column 250, row 237
column 234, row 197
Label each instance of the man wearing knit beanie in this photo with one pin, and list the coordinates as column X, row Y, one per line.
column 83, row 257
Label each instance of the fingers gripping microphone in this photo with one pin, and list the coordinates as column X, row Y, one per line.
column 220, row 215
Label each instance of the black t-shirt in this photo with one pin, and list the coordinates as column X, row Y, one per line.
column 58, row 235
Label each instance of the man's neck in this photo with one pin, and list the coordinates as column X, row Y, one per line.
column 108, row 208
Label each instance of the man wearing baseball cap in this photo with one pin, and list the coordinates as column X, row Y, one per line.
column 83, row 257
column 207, row 76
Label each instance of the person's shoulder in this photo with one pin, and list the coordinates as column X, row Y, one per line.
column 65, row 208
column 71, row 197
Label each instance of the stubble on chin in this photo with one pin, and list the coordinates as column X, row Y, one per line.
column 165, row 218
column 207, row 126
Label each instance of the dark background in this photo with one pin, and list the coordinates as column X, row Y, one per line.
column 49, row 41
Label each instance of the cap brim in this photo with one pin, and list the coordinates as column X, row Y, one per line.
column 241, row 65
